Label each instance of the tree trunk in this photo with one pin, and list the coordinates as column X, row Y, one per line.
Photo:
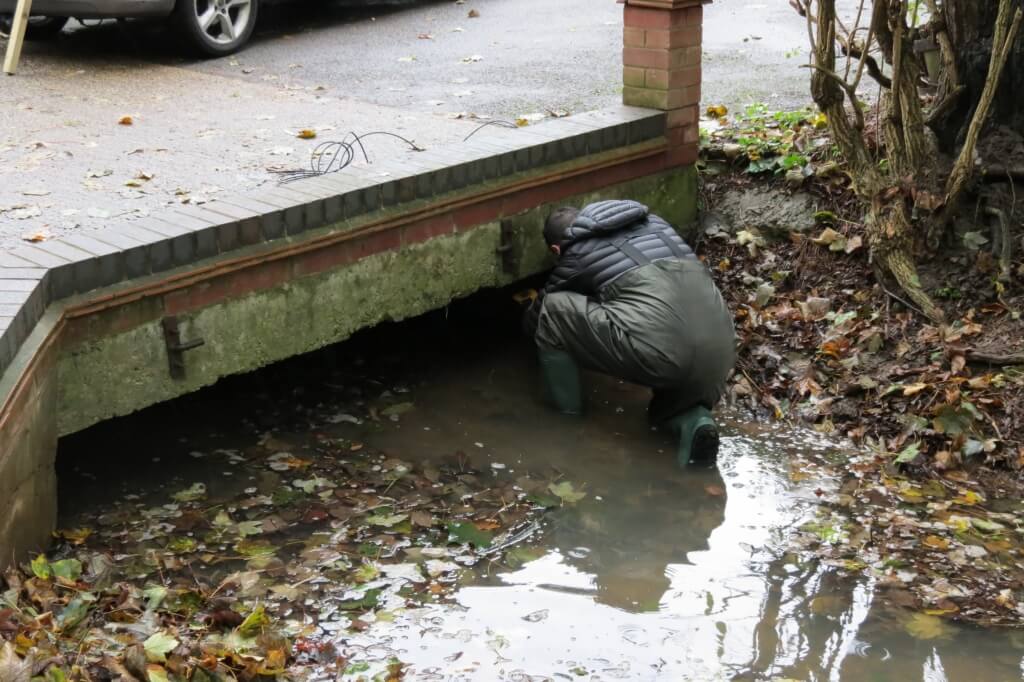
column 970, row 25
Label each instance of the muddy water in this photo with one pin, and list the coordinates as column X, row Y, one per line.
column 655, row 574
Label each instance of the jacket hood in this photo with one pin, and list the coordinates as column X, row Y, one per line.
column 605, row 217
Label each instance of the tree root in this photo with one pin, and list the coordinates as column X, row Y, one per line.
column 1002, row 245
column 1002, row 173
column 1002, row 359
column 898, row 263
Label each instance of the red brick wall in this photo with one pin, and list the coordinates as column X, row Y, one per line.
column 661, row 69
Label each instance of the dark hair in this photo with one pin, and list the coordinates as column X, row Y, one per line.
column 557, row 223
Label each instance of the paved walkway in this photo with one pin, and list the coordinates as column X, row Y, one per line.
column 202, row 128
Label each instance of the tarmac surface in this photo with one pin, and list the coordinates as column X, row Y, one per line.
column 425, row 70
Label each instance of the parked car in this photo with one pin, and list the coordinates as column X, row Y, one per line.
column 211, row 28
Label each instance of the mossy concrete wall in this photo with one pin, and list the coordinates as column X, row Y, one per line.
column 115, row 363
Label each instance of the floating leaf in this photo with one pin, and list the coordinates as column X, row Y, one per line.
column 923, row 626
column 546, row 500
column 255, row 548
column 254, row 623
column 249, row 528
column 467, row 533
column 158, row 646
column 397, row 409
column 517, row 556
column 196, row 491
column 366, row 572
column 75, row 536
column 182, row 545
column 566, row 491
column 386, row 520
column 422, row 518
column 367, row 601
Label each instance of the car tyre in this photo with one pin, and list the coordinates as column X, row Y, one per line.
column 215, row 28
column 39, row 28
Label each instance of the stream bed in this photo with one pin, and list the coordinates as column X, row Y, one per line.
column 614, row 564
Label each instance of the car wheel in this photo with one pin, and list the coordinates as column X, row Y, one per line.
column 39, row 28
column 214, row 28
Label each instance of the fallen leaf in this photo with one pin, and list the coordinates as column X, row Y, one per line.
column 255, row 623
column 913, row 389
column 159, row 645
column 306, row 134
column 423, row 519
column 467, row 533
column 473, row 14
column 566, row 492
column 13, row 668
column 41, row 567
column 126, row 121
column 908, row 454
column 717, row 111
column 923, row 626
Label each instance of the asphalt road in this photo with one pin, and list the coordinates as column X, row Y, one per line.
column 200, row 128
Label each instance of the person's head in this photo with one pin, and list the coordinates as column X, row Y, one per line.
column 557, row 223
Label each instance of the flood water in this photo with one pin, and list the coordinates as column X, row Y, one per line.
column 657, row 574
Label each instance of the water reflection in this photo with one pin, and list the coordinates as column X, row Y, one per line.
column 657, row 574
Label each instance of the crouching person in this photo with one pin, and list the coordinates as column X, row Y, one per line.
column 629, row 298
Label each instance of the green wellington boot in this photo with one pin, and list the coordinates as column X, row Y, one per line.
column 562, row 381
column 698, row 437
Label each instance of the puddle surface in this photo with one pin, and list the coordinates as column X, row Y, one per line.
column 655, row 574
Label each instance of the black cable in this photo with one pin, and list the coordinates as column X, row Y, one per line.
column 503, row 124
column 330, row 157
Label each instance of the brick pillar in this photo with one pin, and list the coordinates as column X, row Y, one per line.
column 661, row 66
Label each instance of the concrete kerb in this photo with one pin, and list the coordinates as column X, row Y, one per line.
column 334, row 231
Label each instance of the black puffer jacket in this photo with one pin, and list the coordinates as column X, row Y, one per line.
column 592, row 253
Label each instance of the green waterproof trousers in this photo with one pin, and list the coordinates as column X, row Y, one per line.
column 663, row 325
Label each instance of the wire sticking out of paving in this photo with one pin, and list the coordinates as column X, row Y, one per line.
column 332, row 156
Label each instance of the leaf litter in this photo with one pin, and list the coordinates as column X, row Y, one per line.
column 264, row 582
column 932, row 508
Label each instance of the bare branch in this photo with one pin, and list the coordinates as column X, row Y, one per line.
column 945, row 105
column 946, row 45
column 1002, row 42
column 852, row 37
column 848, row 88
column 867, row 61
